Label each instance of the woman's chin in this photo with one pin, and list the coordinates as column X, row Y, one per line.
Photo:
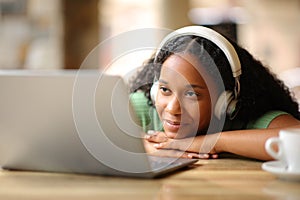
column 180, row 134
column 171, row 135
column 176, row 135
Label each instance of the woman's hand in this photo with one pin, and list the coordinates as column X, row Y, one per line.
column 159, row 143
column 151, row 150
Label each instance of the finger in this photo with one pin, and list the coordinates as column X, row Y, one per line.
column 160, row 145
column 170, row 153
column 170, row 144
column 179, row 154
column 193, row 155
column 203, row 155
column 153, row 132
column 157, row 137
column 214, row 156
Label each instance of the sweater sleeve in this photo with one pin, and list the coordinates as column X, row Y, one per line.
column 265, row 120
column 145, row 113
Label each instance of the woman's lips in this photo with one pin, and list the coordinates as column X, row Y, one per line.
column 173, row 126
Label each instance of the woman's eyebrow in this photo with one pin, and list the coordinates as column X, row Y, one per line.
column 195, row 86
column 162, row 81
column 187, row 86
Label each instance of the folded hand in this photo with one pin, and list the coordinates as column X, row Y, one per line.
column 159, row 144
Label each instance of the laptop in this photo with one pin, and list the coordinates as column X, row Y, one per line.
column 73, row 121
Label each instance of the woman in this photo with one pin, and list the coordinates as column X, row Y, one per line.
column 209, row 96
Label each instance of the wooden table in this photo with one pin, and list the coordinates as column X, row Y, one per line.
column 227, row 178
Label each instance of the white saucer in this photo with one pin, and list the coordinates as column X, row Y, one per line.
column 279, row 169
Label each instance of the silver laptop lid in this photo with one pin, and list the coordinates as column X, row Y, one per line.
column 70, row 122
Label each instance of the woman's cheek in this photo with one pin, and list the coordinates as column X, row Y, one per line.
column 160, row 105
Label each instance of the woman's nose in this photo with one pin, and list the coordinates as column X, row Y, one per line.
column 173, row 106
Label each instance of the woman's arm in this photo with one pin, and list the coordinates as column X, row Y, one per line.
column 248, row 143
column 251, row 143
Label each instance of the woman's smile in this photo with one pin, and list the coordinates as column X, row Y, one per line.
column 174, row 124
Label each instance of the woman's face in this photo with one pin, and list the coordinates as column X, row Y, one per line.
column 183, row 101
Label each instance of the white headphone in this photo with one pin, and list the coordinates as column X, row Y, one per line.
column 227, row 101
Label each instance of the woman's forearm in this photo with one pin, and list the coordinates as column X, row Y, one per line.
column 251, row 143
column 248, row 143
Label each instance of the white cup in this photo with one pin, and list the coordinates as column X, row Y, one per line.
column 288, row 144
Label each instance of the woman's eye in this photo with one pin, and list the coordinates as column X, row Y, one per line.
column 164, row 89
column 191, row 94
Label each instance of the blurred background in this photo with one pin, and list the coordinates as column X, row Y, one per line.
column 59, row 34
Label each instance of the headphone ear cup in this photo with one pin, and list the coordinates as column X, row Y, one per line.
column 222, row 103
column 232, row 108
column 154, row 91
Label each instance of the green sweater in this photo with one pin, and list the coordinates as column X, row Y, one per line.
column 149, row 119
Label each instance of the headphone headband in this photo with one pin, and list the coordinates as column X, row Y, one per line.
column 214, row 37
